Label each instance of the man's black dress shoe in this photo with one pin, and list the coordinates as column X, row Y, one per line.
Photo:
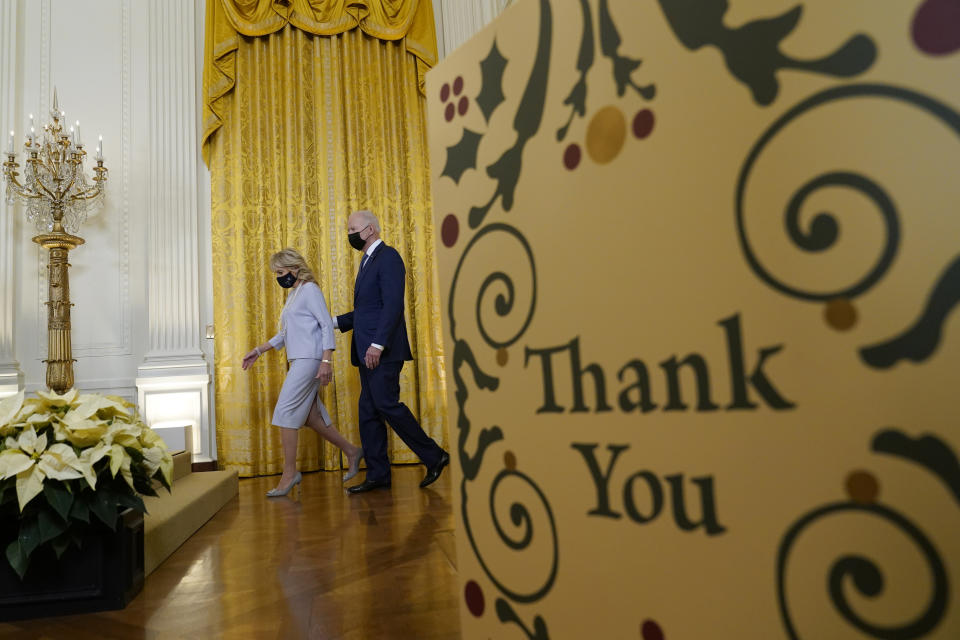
column 369, row 485
column 434, row 472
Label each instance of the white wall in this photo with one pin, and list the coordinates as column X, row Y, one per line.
column 130, row 70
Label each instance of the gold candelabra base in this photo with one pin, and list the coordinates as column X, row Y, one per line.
column 59, row 347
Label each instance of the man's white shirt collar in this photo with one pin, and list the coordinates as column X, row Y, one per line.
column 374, row 246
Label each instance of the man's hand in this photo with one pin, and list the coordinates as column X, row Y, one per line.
column 372, row 359
column 325, row 374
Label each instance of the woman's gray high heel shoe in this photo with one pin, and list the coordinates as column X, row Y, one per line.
column 276, row 493
column 354, row 468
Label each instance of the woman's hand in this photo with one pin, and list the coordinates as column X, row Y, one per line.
column 250, row 358
column 325, row 373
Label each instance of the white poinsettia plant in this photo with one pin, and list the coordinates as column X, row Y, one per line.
column 68, row 461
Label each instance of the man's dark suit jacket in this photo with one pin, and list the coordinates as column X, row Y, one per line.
column 377, row 316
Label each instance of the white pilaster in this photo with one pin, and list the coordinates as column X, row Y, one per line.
column 173, row 381
column 11, row 378
column 459, row 20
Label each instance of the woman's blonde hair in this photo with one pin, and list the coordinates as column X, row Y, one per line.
column 291, row 259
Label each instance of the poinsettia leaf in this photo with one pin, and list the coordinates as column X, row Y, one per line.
column 144, row 486
column 162, row 479
column 135, row 454
column 61, row 543
column 76, row 539
column 18, row 559
column 50, row 525
column 131, row 501
column 58, row 497
column 29, row 536
column 104, row 505
column 80, row 509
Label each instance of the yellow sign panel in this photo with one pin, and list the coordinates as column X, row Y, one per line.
column 702, row 268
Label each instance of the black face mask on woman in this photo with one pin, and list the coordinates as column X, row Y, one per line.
column 287, row 281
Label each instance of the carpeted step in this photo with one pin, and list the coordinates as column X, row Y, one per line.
column 181, row 464
column 174, row 517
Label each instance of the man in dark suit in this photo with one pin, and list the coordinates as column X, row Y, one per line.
column 379, row 348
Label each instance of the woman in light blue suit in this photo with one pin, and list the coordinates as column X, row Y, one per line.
column 306, row 331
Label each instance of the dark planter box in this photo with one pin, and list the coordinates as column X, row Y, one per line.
column 106, row 573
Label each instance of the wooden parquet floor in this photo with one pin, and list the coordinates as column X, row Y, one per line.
column 322, row 565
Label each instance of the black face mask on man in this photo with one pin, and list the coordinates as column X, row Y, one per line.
column 355, row 240
column 287, row 280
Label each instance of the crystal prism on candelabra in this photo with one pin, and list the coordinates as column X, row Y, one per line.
column 55, row 187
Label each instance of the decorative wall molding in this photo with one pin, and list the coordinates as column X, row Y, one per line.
column 11, row 378
column 172, row 263
column 173, row 380
column 122, row 346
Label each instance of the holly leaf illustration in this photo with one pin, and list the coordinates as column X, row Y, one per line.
column 491, row 94
column 506, row 170
column 462, row 155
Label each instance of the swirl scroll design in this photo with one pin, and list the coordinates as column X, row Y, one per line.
column 866, row 576
column 823, row 230
column 930, row 453
column 503, row 304
column 498, row 291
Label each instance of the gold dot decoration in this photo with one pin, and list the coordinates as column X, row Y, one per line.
column 862, row 487
column 840, row 314
column 510, row 461
column 502, row 356
column 605, row 134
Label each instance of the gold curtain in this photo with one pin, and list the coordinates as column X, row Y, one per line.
column 410, row 21
column 314, row 128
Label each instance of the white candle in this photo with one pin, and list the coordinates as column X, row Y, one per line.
column 10, row 144
column 100, row 148
column 76, row 140
column 31, row 121
column 32, row 134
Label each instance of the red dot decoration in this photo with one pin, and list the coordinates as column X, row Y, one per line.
column 458, row 85
column 936, row 27
column 462, row 106
column 474, row 597
column 449, row 112
column 444, row 92
column 450, row 230
column 862, row 487
column 571, row 156
column 651, row 631
column 643, row 123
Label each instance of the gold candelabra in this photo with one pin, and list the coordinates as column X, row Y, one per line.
column 58, row 196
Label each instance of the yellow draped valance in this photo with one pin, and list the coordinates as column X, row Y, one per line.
column 227, row 20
